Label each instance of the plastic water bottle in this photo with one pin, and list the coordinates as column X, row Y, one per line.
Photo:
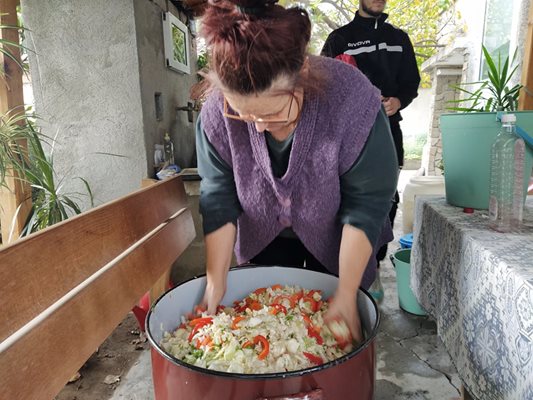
column 168, row 147
column 506, row 203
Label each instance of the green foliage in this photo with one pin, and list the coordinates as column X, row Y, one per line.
column 22, row 157
column 421, row 19
column 49, row 204
column 12, row 136
column 202, row 60
column 493, row 94
column 413, row 146
column 35, row 167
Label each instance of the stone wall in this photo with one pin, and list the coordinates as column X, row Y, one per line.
column 444, row 78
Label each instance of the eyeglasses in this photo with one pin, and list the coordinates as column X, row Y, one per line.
column 253, row 118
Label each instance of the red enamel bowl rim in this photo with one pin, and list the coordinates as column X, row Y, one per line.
column 368, row 341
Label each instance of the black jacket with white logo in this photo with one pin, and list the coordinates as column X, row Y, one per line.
column 382, row 52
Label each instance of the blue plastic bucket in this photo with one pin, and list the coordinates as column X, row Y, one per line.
column 406, row 241
column 402, row 263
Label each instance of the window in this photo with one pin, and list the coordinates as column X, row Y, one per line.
column 498, row 30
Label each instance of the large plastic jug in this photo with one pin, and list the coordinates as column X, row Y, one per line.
column 419, row 185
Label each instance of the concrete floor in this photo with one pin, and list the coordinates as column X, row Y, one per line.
column 412, row 363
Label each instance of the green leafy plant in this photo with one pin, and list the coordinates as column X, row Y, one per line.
column 23, row 157
column 493, row 94
column 33, row 165
column 49, row 204
column 13, row 135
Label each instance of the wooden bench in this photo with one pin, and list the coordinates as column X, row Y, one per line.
column 65, row 289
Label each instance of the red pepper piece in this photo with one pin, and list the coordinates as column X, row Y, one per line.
column 264, row 344
column 317, row 360
column 236, row 320
column 260, row 291
column 297, row 296
column 284, row 300
column 340, row 332
column 312, row 332
column 196, row 321
column 276, row 287
column 276, row 308
column 197, row 328
column 313, row 304
column 255, row 305
column 198, row 310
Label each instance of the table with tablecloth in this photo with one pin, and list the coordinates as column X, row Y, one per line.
column 478, row 286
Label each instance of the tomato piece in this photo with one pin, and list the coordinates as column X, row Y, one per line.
column 317, row 360
column 264, row 344
column 235, row 321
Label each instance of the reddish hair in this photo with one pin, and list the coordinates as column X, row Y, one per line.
column 253, row 42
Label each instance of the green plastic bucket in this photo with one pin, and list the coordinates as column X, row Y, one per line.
column 402, row 263
column 466, row 142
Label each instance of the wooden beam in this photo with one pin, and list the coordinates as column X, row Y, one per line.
column 526, row 95
column 16, row 193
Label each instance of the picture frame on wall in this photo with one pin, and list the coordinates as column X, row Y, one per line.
column 177, row 44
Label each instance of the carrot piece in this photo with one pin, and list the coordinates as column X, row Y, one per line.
column 235, row 321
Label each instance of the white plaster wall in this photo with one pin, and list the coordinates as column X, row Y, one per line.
column 416, row 117
column 85, row 76
column 173, row 86
column 472, row 14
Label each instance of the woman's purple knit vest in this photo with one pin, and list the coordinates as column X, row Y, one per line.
column 333, row 128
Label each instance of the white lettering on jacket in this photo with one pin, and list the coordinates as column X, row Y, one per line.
column 371, row 49
column 361, row 43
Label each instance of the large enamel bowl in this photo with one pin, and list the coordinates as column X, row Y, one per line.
column 349, row 377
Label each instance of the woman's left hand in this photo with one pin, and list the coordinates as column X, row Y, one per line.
column 344, row 307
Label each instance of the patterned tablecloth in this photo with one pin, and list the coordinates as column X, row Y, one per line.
column 478, row 286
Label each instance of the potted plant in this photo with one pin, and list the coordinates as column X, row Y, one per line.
column 468, row 134
column 23, row 157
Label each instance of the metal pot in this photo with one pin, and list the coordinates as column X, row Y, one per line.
column 349, row 377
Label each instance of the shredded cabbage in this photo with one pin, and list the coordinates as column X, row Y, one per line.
column 274, row 329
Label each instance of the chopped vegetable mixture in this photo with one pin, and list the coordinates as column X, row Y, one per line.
column 274, row 329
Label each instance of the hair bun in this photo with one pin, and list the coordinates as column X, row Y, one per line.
column 253, row 3
column 254, row 8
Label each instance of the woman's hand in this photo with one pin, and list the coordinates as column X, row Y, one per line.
column 218, row 249
column 344, row 307
column 214, row 291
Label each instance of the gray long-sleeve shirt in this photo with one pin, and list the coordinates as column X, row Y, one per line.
column 366, row 188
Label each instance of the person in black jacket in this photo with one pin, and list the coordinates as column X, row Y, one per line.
column 385, row 55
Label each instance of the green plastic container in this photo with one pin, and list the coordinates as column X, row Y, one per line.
column 466, row 142
column 402, row 264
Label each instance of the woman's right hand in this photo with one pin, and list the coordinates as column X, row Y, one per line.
column 214, row 292
column 219, row 249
